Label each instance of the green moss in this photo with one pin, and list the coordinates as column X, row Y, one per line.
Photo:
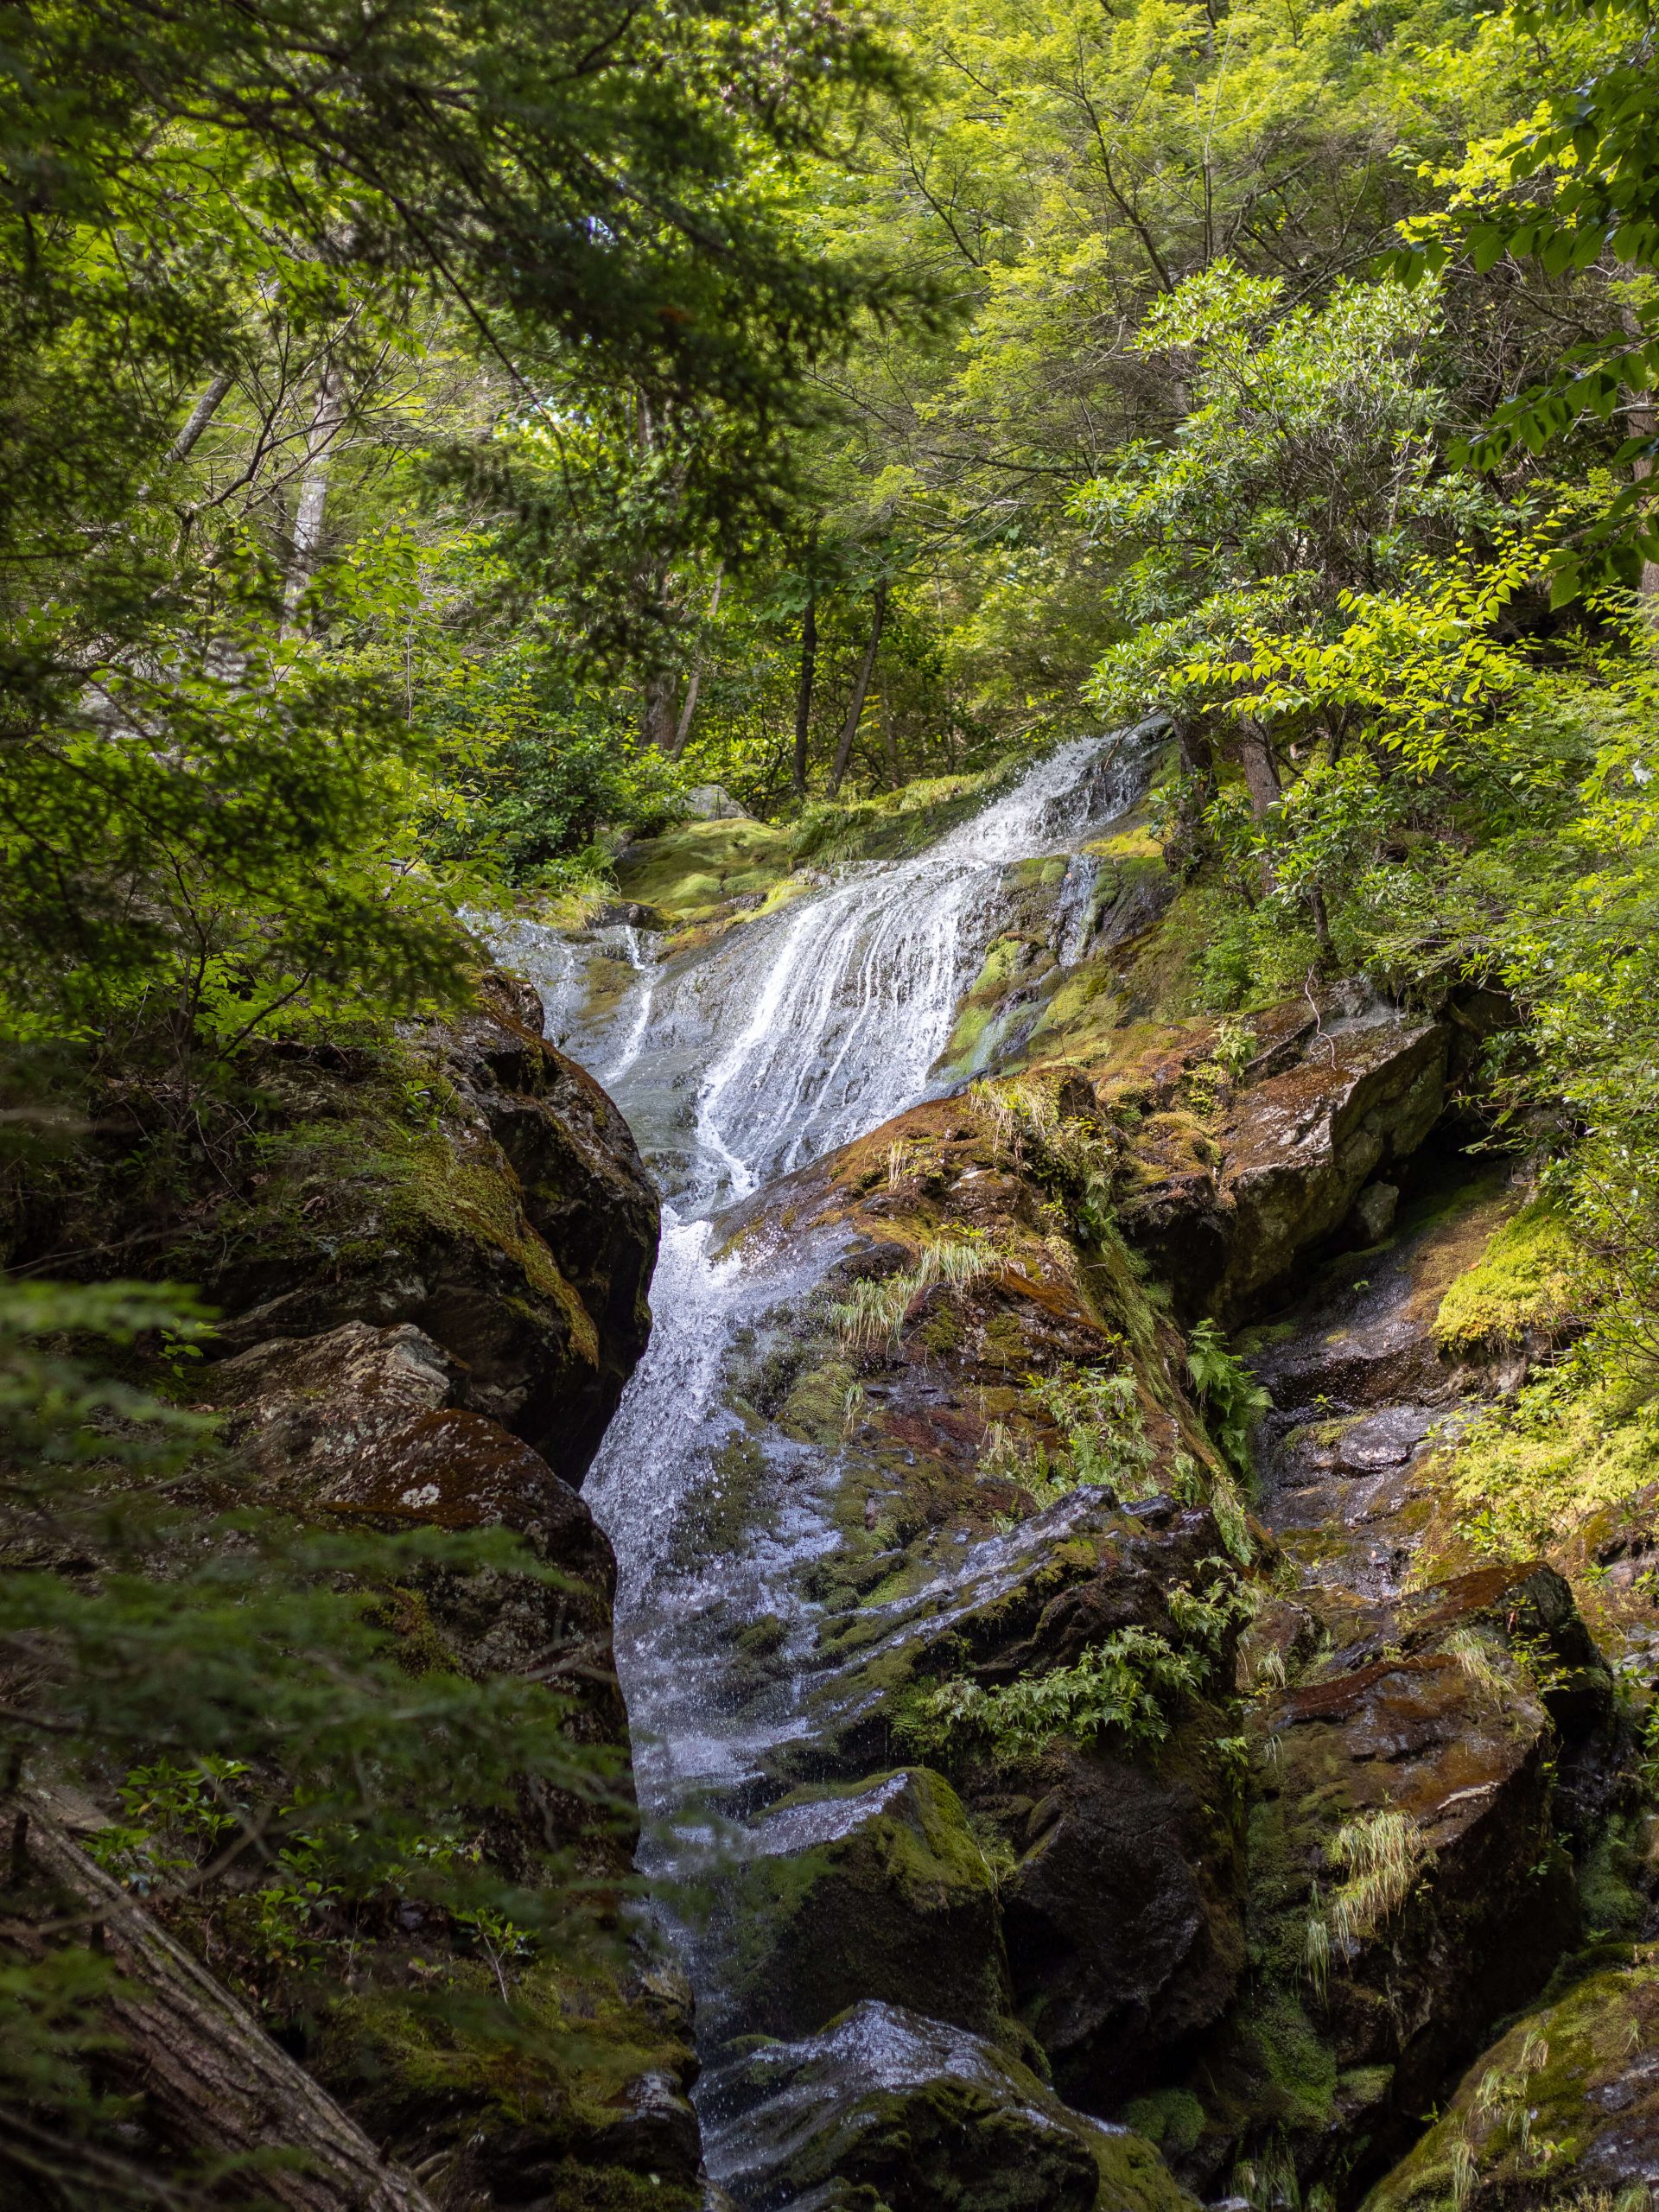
column 1298, row 2060
column 1532, row 1470
column 557, row 2065
column 898, row 1902
column 478, row 1198
column 1172, row 2119
column 695, row 867
column 1526, row 2111
column 1524, row 1281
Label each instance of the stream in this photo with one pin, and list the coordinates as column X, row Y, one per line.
column 736, row 1064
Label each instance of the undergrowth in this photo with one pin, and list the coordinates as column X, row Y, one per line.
column 1130, row 1684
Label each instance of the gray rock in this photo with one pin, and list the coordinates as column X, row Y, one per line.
column 713, row 803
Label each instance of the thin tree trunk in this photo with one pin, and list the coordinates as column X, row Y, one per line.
column 213, row 2078
column 1260, row 774
column 1644, row 420
column 695, row 678
column 314, row 490
column 804, row 692
column 856, row 710
column 656, row 718
column 1260, row 781
column 200, row 416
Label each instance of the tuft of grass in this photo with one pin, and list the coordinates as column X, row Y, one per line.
column 874, row 1312
column 1381, row 1854
column 1473, row 1653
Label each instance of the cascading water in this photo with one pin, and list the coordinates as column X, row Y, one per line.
column 794, row 1034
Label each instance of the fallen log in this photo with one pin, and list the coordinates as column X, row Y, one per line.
column 213, row 2078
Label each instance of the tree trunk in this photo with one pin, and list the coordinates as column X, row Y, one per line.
column 314, row 491
column 200, row 416
column 803, row 694
column 213, row 2077
column 694, row 680
column 1260, row 774
column 656, row 718
column 856, row 710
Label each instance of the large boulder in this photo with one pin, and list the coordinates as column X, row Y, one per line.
column 1121, row 1918
column 1564, row 2109
column 880, row 1892
column 1408, row 1885
column 1293, row 1158
column 476, row 1185
column 885, row 2108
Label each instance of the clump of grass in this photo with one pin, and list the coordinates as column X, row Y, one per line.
column 1473, row 1653
column 1028, row 1127
column 1504, row 2106
column 874, row 1312
column 1381, row 1854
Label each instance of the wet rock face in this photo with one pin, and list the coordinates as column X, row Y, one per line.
column 1439, row 1749
column 1111, row 1938
column 1424, row 1758
column 1122, row 1921
column 878, row 1891
column 361, row 1423
column 887, row 2106
column 1566, row 2102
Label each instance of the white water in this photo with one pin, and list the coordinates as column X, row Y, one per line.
column 794, row 1034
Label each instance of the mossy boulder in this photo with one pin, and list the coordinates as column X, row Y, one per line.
column 473, row 1182
column 692, row 868
column 583, row 2108
column 1294, row 1150
column 1566, row 2102
column 884, row 2108
column 878, row 1890
column 1409, row 1886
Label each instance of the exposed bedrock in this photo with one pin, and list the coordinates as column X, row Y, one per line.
column 1291, row 1158
column 1269, row 1917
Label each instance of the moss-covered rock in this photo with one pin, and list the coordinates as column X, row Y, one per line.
column 1523, row 1287
column 1567, row 2102
column 879, row 1890
column 473, row 1182
column 886, row 2108
column 583, row 2107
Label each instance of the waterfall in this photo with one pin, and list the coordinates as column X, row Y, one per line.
column 794, row 1034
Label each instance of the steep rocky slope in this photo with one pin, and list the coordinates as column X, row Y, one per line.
column 1049, row 1689
column 431, row 1262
